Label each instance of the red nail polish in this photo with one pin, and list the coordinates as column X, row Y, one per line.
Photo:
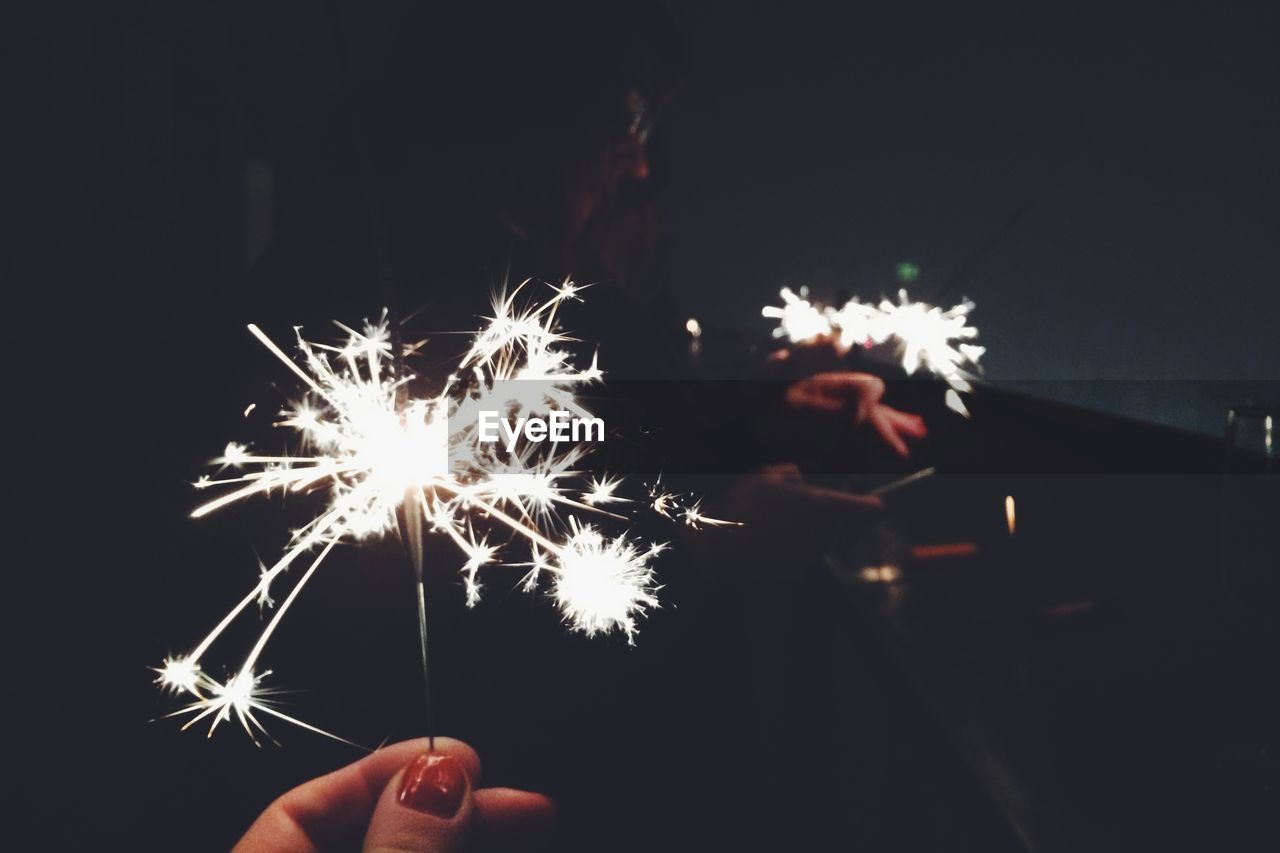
column 435, row 784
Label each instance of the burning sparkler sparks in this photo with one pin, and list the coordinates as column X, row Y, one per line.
column 925, row 337
column 387, row 461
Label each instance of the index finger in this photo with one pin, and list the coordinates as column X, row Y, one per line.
column 334, row 809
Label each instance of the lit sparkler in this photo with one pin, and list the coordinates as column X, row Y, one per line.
column 388, row 461
column 924, row 336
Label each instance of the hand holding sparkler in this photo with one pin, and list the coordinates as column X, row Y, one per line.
column 427, row 802
column 859, row 396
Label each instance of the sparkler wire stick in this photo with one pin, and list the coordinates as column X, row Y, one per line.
column 426, row 667
column 902, row 482
column 409, row 520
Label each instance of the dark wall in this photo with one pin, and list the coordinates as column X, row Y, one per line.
column 1100, row 179
column 1104, row 177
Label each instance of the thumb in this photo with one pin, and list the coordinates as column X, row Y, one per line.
column 426, row 808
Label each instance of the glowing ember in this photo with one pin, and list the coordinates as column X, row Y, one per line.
column 602, row 584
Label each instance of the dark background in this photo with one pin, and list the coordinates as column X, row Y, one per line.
column 1100, row 179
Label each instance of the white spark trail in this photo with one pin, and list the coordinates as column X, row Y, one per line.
column 372, row 447
column 924, row 336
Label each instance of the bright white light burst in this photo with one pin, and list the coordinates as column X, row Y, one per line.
column 600, row 583
column 370, row 447
column 924, row 336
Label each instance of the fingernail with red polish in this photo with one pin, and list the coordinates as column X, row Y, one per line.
column 435, row 784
